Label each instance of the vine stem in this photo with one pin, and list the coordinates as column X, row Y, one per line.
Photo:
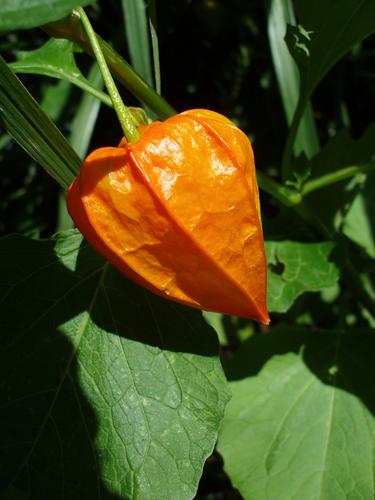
column 125, row 118
column 337, row 176
column 285, row 195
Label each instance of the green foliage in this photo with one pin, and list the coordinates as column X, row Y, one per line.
column 110, row 380
column 138, row 37
column 30, row 126
column 327, row 31
column 359, row 221
column 21, row 14
column 280, row 14
column 111, row 392
column 300, row 423
column 56, row 59
column 295, row 268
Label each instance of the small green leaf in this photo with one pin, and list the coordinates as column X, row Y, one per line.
column 107, row 391
column 359, row 221
column 21, row 14
column 301, row 424
column 295, row 268
column 56, row 59
column 33, row 130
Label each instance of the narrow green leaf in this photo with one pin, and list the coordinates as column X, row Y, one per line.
column 295, row 268
column 55, row 97
column 85, row 118
column 155, row 44
column 137, row 35
column 280, row 14
column 301, row 423
column 108, row 391
column 21, row 14
column 32, row 129
column 82, row 128
column 359, row 223
column 56, row 59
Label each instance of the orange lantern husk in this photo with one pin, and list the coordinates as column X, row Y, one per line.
column 178, row 213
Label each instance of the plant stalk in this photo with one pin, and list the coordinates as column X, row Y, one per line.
column 337, row 176
column 286, row 196
column 125, row 118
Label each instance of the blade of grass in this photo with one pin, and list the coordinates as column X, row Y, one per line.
column 85, row 118
column 137, row 35
column 80, row 136
column 280, row 13
column 25, row 121
column 155, row 44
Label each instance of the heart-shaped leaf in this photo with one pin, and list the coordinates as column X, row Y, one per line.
column 106, row 389
column 301, row 423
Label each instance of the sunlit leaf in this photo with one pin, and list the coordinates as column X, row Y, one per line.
column 300, row 423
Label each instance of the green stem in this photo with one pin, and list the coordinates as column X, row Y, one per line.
column 71, row 29
column 128, row 127
column 333, row 177
column 286, row 196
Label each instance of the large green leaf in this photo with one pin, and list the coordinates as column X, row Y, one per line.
column 301, row 424
column 33, row 130
column 107, row 390
column 325, row 33
column 56, row 59
column 20, row 14
column 333, row 28
column 295, row 268
column 280, row 13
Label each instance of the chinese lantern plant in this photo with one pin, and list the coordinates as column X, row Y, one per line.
column 176, row 208
column 111, row 382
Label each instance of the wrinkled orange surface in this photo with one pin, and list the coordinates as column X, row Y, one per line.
column 178, row 212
